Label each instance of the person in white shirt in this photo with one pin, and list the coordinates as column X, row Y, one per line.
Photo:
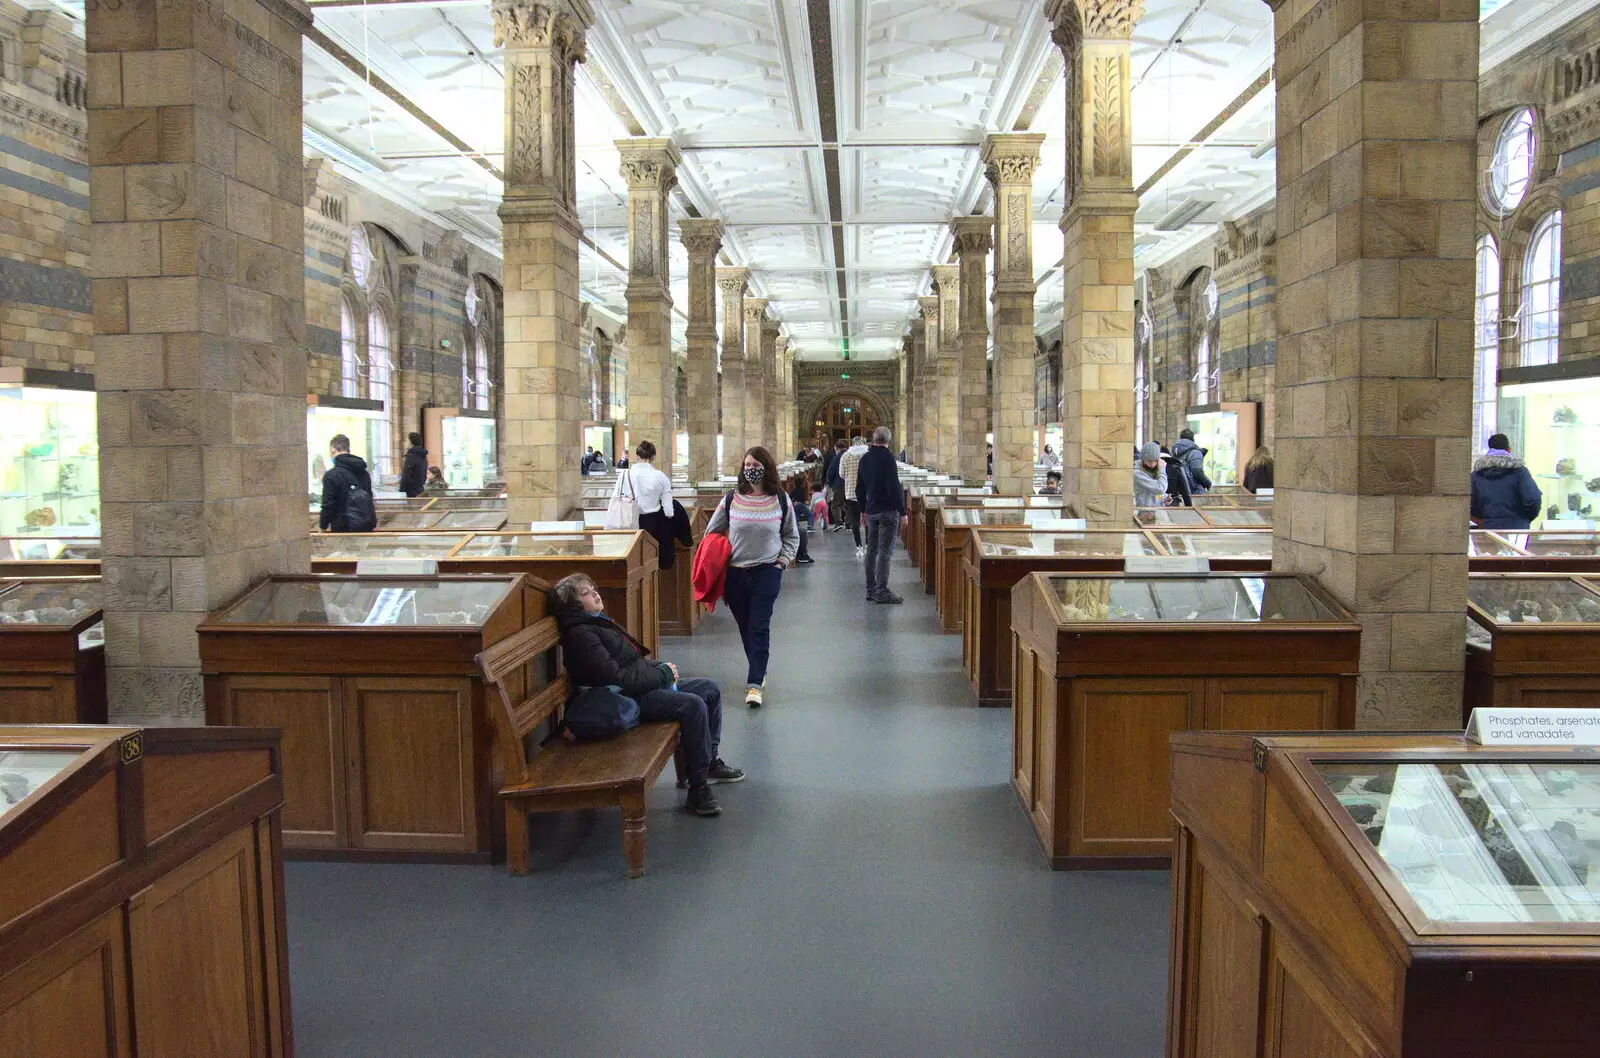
column 650, row 488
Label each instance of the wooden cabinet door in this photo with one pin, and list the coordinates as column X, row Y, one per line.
column 1225, row 944
column 71, row 1000
column 37, row 698
column 309, row 711
column 1118, row 769
column 1022, row 726
column 412, row 772
column 197, row 955
column 1275, row 703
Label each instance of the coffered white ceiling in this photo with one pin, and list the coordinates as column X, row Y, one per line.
column 839, row 200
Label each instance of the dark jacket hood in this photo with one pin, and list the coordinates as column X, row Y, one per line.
column 1182, row 446
column 1496, row 466
column 416, row 448
column 350, row 461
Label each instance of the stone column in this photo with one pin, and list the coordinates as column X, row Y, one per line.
column 1097, row 222
column 974, row 237
column 650, row 166
column 734, row 282
column 702, row 238
column 785, row 366
column 771, row 396
column 902, row 404
column 198, row 293
column 755, row 385
column 1010, row 159
column 1377, row 122
column 925, row 340
column 910, row 399
column 947, row 369
column 540, row 235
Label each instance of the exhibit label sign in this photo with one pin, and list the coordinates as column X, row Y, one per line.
column 1534, row 727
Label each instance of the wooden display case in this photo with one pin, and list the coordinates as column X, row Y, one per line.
column 918, row 528
column 49, row 556
column 1361, row 894
column 998, row 557
column 386, row 733
column 951, row 527
column 1533, row 641
column 52, row 652
column 676, row 612
column 1255, row 516
column 141, row 893
column 1108, row 666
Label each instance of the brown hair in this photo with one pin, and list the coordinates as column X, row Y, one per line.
column 769, row 467
column 646, row 451
column 1262, row 458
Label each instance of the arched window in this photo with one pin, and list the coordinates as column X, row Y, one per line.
column 1541, row 293
column 1486, row 341
column 1511, row 171
column 480, row 371
column 349, row 357
column 380, row 365
column 1203, row 319
column 360, row 257
column 1141, row 381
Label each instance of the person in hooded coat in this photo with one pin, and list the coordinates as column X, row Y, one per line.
column 1149, row 477
column 414, row 471
column 1504, row 495
column 347, row 471
column 1194, row 460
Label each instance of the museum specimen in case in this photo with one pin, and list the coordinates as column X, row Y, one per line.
column 1534, row 641
column 52, row 651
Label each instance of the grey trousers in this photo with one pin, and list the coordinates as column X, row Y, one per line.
column 881, row 529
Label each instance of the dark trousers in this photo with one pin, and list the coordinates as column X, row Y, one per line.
column 802, row 513
column 751, row 594
column 852, row 518
column 881, row 530
column 696, row 707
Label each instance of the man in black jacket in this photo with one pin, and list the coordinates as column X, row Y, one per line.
column 348, row 473
column 1504, row 495
column 414, row 471
column 598, row 652
column 882, row 502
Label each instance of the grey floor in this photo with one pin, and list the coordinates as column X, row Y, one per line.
column 872, row 889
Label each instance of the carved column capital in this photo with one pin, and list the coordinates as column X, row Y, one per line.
column 771, row 326
column 974, row 235
column 1011, row 157
column 559, row 25
column 755, row 310
column 649, row 163
column 1073, row 20
column 733, row 281
column 930, row 309
column 701, row 237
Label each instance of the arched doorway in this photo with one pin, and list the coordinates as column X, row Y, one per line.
column 845, row 415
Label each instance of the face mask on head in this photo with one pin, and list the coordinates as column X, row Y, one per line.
column 754, row 474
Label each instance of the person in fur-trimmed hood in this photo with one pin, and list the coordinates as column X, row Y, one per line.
column 1504, row 495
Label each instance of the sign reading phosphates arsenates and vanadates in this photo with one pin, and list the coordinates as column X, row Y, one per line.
column 1534, row 727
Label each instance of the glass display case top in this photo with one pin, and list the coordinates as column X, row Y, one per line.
column 468, row 503
column 991, row 515
column 1239, row 516
column 1533, row 599
column 408, row 519
column 1481, row 841
column 1178, row 517
column 1483, row 544
column 1577, row 543
column 1221, row 543
column 371, row 601
column 1179, row 599
column 384, row 545
column 22, row 771
column 50, row 602
column 49, row 548
column 535, row 545
column 1106, row 544
column 395, row 503
column 486, row 520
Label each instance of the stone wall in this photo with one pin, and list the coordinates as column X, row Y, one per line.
column 45, row 319
column 877, row 379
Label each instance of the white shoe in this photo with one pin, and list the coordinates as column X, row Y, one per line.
column 861, row 550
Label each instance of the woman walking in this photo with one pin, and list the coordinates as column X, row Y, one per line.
column 759, row 522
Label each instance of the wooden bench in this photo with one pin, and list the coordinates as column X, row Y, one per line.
column 524, row 672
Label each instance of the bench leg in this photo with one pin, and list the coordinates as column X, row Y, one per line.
column 516, row 837
column 633, row 833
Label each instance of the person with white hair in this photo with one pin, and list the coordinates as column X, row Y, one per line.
column 882, row 504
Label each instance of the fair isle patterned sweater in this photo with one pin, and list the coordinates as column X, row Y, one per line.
column 760, row 530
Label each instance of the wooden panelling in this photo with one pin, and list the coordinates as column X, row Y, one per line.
column 1279, row 703
column 67, row 849
column 197, row 959
column 70, row 1001
column 411, row 746
column 1023, row 726
column 1297, row 1026
column 308, row 710
column 181, row 786
column 28, row 698
column 1119, row 766
column 1046, row 743
column 1228, row 941
column 1224, row 788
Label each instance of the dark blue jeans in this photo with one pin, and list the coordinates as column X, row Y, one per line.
column 696, row 707
column 751, row 595
column 880, row 548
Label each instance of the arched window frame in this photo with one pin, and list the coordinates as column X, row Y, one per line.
column 1540, row 323
column 380, row 384
column 480, row 370
column 1511, row 165
column 1203, row 313
column 1486, row 341
column 1144, row 330
column 349, row 351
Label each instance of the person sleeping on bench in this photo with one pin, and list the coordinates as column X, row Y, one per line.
column 598, row 652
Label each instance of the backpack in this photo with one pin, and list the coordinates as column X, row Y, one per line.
column 360, row 514
column 597, row 713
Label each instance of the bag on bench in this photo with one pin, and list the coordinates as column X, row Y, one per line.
column 598, row 713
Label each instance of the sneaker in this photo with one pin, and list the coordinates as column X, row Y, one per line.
column 805, row 560
column 702, row 802
column 888, row 597
column 872, row 596
column 861, row 550
column 752, row 697
column 837, row 528
column 723, row 772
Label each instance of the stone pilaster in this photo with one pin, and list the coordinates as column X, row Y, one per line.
column 542, row 42
column 786, row 413
column 1377, row 124
column 902, row 407
column 924, row 337
column 199, row 312
column 974, row 239
column 650, row 166
column 1097, row 222
column 946, row 369
column 755, row 381
column 733, row 282
column 910, row 400
column 1010, row 160
column 772, row 397
column 702, row 238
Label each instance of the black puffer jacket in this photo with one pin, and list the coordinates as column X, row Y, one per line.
column 414, row 471
column 598, row 652
column 347, row 470
column 1504, row 495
